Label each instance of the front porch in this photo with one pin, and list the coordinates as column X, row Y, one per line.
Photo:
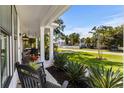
column 35, row 22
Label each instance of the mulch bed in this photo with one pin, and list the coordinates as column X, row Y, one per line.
column 58, row 74
column 61, row 76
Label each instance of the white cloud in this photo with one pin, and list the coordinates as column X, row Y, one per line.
column 83, row 31
column 114, row 20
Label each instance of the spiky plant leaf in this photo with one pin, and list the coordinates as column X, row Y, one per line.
column 75, row 71
column 60, row 61
column 105, row 78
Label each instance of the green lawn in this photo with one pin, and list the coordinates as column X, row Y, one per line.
column 89, row 58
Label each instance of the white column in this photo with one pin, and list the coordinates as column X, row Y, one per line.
column 51, row 44
column 42, row 53
column 19, row 42
column 11, row 56
column 13, row 46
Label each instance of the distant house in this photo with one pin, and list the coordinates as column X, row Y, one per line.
column 60, row 42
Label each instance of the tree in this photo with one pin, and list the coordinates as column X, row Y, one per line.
column 100, row 37
column 118, row 36
column 82, row 40
column 88, row 42
column 109, row 36
column 67, row 39
column 58, row 32
column 74, row 38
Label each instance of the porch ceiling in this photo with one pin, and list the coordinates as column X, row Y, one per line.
column 34, row 16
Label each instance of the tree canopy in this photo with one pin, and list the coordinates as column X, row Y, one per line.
column 58, row 32
column 109, row 36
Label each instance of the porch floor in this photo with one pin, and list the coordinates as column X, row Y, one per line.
column 48, row 63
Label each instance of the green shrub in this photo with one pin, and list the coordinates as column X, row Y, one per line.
column 75, row 72
column 104, row 78
column 60, row 61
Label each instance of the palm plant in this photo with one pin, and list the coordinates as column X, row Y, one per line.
column 104, row 78
column 60, row 61
column 75, row 72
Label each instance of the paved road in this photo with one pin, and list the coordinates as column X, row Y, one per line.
column 80, row 50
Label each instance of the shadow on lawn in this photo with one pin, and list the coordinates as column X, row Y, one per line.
column 94, row 61
column 82, row 58
column 85, row 54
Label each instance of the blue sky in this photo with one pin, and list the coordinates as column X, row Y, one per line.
column 82, row 18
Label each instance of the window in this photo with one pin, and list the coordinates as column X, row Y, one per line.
column 8, row 33
column 5, row 32
column 4, row 59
